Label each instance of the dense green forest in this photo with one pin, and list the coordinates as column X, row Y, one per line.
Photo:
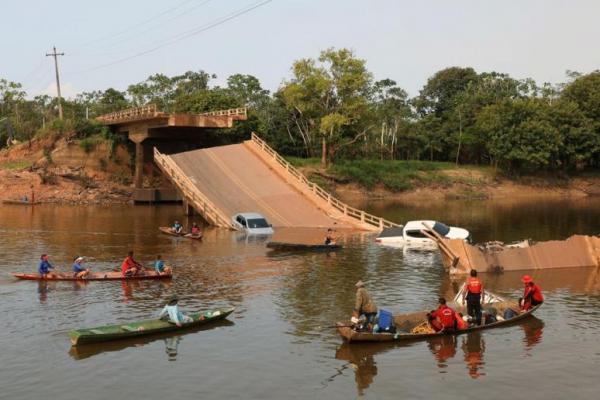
column 332, row 107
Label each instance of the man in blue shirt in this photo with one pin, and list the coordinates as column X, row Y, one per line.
column 45, row 267
column 78, row 270
column 159, row 266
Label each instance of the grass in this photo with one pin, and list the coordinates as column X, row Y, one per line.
column 15, row 165
column 300, row 162
column 393, row 175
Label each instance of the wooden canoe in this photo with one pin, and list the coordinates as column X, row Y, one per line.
column 141, row 328
column 20, row 202
column 95, row 276
column 406, row 322
column 167, row 231
column 283, row 246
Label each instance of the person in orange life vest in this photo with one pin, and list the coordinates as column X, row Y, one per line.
column 130, row 266
column 532, row 295
column 444, row 318
column 474, row 296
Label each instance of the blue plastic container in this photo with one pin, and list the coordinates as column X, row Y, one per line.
column 386, row 320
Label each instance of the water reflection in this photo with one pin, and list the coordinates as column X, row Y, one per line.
column 362, row 357
column 171, row 345
column 473, row 347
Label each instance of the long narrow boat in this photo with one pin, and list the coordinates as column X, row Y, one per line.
column 168, row 231
column 141, row 328
column 406, row 322
column 95, row 276
column 283, row 246
column 20, row 202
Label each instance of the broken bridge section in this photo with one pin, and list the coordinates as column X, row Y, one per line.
column 251, row 177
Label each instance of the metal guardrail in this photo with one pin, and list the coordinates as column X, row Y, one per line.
column 230, row 112
column 322, row 193
column 190, row 192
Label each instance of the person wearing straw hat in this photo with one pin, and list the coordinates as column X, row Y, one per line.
column 532, row 296
column 171, row 310
column 364, row 305
column 78, row 270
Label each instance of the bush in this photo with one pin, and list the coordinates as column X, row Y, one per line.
column 48, row 178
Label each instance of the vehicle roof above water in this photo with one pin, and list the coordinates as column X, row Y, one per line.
column 250, row 215
column 439, row 227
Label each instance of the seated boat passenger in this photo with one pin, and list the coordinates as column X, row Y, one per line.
column 171, row 310
column 444, row 318
column 45, row 267
column 78, row 270
column 159, row 266
column 177, row 227
column 195, row 229
column 130, row 267
column 532, row 295
column 364, row 305
column 329, row 238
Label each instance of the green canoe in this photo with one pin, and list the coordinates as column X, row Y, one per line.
column 141, row 328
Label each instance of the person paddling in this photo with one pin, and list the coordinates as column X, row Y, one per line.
column 177, row 228
column 532, row 296
column 195, row 229
column 130, row 267
column 45, row 267
column 78, row 270
column 159, row 266
column 171, row 310
column 474, row 296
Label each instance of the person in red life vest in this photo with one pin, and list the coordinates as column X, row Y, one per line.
column 532, row 295
column 130, row 267
column 474, row 296
column 444, row 318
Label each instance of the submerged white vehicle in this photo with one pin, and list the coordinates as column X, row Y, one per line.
column 411, row 234
column 252, row 224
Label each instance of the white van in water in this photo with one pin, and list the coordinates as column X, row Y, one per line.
column 252, row 224
column 411, row 234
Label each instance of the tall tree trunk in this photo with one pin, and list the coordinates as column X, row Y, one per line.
column 459, row 135
column 324, row 152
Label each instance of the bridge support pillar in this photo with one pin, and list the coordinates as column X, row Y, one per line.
column 138, row 179
column 188, row 209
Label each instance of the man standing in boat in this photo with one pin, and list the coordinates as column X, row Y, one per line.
column 364, row 305
column 474, row 295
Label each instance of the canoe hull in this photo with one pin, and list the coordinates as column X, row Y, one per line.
column 282, row 246
column 96, row 276
column 352, row 336
column 142, row 328
column 167, row 231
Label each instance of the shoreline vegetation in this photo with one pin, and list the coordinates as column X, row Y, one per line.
column 466, row 134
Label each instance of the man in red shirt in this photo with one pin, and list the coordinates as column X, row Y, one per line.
column 130, row 267
column 444, row 318
column 532, row 295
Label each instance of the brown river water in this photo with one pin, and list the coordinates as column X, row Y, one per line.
column 279, row 344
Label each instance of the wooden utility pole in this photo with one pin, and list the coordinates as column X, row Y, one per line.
column 55, row 55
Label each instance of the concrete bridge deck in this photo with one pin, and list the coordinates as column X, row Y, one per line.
column 250, row 177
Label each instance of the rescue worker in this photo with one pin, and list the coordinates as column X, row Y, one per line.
column 364, row 305
column 444, row 318
column 532, row 296
column 474, row 296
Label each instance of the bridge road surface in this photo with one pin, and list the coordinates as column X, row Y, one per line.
column 236, row 180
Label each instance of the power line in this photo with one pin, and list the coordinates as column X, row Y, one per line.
column 152, row 28
column 184, row 35
column 144, row 22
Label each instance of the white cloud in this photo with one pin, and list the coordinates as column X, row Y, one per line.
column 67, row 90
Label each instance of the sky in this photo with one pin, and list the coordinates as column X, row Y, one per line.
column 116, row 43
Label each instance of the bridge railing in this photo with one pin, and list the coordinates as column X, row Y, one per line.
column 189, row 191
column 130, row 114
column 230, row 112
column 344, row 208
